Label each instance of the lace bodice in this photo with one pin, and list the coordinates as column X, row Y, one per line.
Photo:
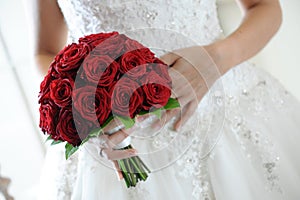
column 145, row 20
column 171, row 24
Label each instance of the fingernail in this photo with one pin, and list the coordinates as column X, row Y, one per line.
column 140, row 118
column 133, row 152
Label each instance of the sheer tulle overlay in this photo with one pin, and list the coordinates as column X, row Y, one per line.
column 241, row 143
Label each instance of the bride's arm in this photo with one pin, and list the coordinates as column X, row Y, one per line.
column 262, row 19
column 50, row 32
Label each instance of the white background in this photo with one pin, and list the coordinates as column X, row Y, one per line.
column 21, row 149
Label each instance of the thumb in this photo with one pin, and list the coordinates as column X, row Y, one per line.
column 170, row 58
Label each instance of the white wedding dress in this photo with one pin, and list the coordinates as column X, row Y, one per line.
column 241, row 143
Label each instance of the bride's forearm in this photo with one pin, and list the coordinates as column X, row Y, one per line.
column 50, row 32
column 261, row 21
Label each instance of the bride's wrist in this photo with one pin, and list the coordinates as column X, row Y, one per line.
column 221, row 55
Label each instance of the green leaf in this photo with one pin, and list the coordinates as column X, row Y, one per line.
column 56, row 142
column 127, row 121
column 157, row 112
column 85, row 140
column 172, row 103
column 94, row 133
column 97, row 131
column 70, row 150
column 143, row 112
column 108, row 121
column 49, row 138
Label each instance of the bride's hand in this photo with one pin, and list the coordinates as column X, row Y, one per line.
column 193, row 72
column 107, row 144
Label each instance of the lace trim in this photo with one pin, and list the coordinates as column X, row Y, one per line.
column 67, row 178
column 139, row 192
column 86, row 17
column 261, row 97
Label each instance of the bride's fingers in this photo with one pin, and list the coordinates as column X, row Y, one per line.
column 141, row 118
column 188, row 110
column 170, row 58
column 119, row 136
column 112, row 125
column 167, row 116
column 118, row 170
column 111, row 154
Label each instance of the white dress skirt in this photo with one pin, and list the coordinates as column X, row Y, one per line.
column 241, row 143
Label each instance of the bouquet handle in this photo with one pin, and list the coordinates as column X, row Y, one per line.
column 133, row 169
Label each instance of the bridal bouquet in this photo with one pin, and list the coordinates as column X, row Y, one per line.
column 102, row 77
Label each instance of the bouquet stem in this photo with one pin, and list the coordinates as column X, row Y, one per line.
column 133, row 169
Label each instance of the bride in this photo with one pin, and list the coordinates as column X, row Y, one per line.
column 236, row 135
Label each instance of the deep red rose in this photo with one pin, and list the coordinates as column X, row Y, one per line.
column 44, row 97
column 93, row 105
column 117, row 75
column 66, row 128
column 111, row 87
column 113, row 46
column 157, row 91
column 71, row 57
column 61, row 91
column 148, row 55
column 131, row 60
column 44, row 86
column 162, row 70
column 126, row 98
column 131, row 45
column 100, row 69
column 48, row 114
column 95, row 39
column 83, row 126
column 138, row 72
column 103, row 105
column 52, row 73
